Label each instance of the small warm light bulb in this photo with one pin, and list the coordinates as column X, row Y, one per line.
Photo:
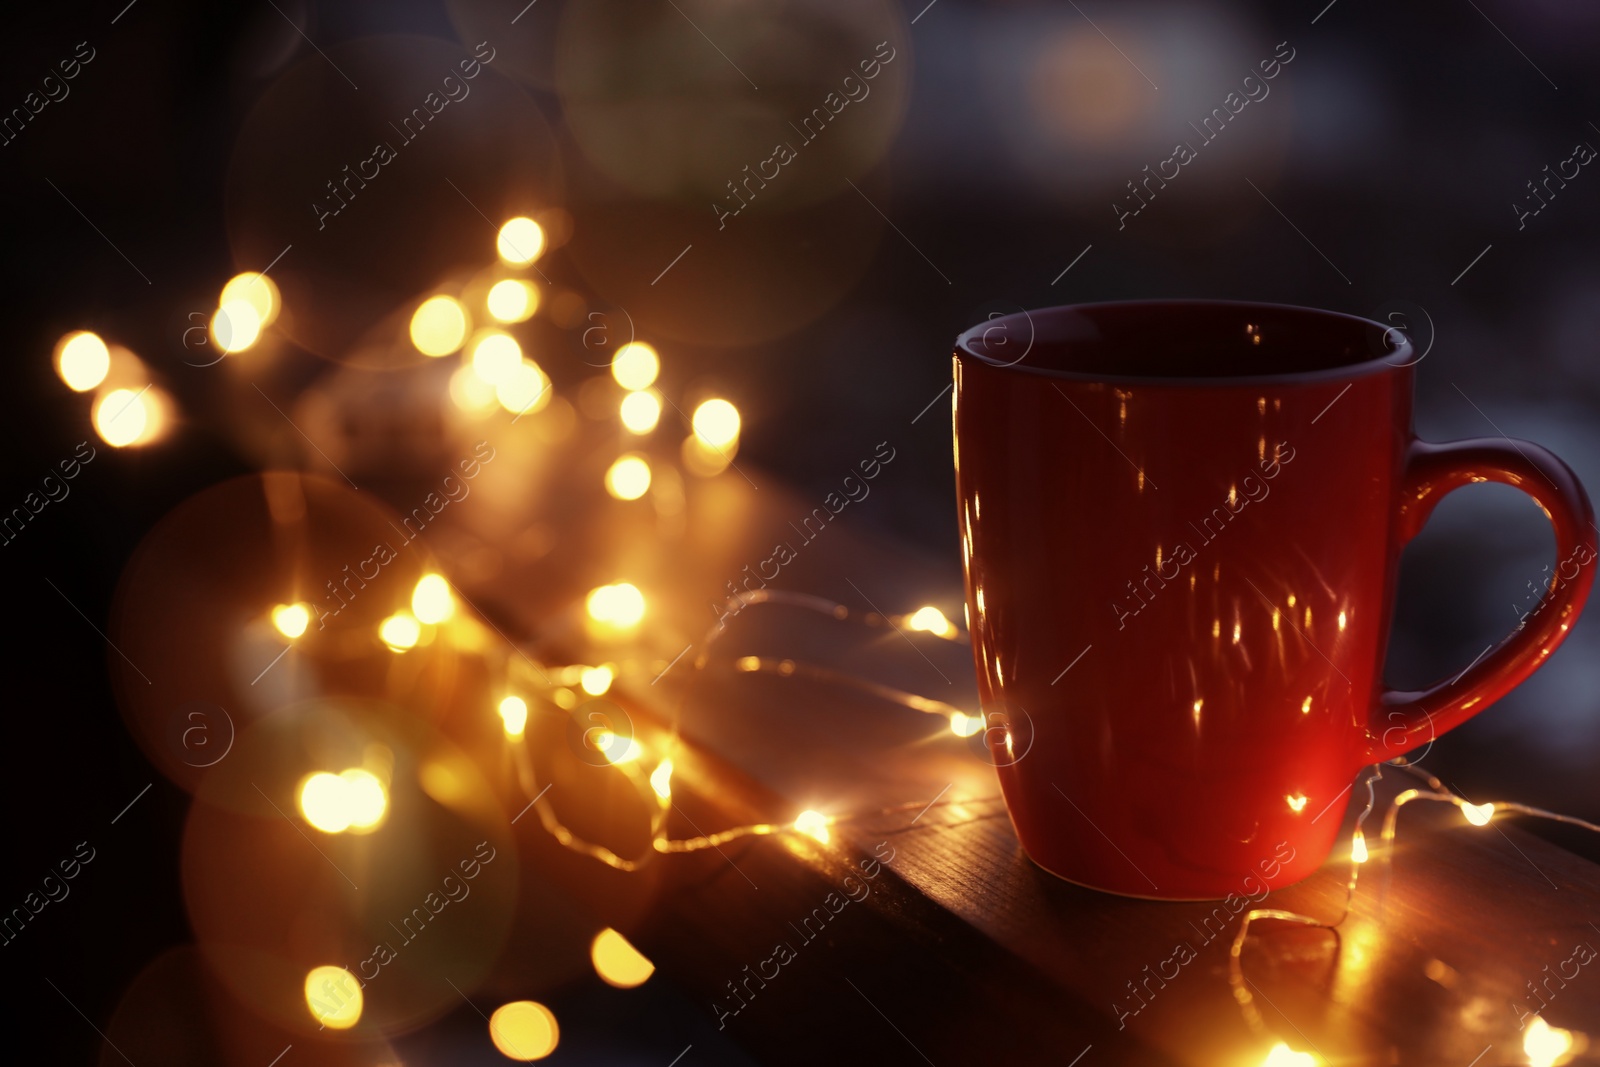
column 617, row 962
column 1358, row 847
column 964, row 725
column 291, row 620
column 333, row 996
column 1342, row 620
column 82, row 360
column 814, row 825
column 629, row 477
column 716, row 422
column 1284, row 1056
column 524, row 1030
column 596, row 680
column 512, row 300
column 661, row 779
column 1305, row 706
column 258, row 290
column 616, row 748
column 122, row 418
column 439, row 325
column 620, row 605
column 400, row 631
column 520, row 241
column 431, row 601
column 1297, row 803
column 640, row 411
column 1477, row 814
column 525, row 389
column 635, row 365
column 365, row 802
column 931, row 620
column 1545, row 1045
column 496, row 357
column 514, row 714
column 235, row 326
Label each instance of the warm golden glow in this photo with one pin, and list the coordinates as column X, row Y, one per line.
column 82, row 360
column 1284, row 1056
column 716, row 422
column 1358, row 847
column 635, row 365
column 617, row 962
column 616, row 748
column 333, row 803
column 597, row 680
column 291, row 620
column 1545, row 1045
column 257, row 290
column 471, row 393
column 512, row 300
column 1477, row 814
column 524, row 1030
column 640, row 411
column 1342, row 621
column 123, row 417
column 439, row 325
column 1237, row 630
column 1305, row 706
column 521, row 240
column 620, row 605
column 629, row 477
column 703, row 461
column 661, row 779
column 1297, row 803
column 514, row 715
column 964, row 725
column 235, row 326
column 496, row 357
column 333, row 996
column 431, row 601
column 931, row 620
column 813, row 824
column 525, row 389
column 400, row 631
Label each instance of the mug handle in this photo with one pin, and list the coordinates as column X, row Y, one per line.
column 1412, row 719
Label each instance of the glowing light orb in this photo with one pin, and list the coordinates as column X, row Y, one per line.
column 235, row 326
column 525, row 389
column 661, row 779
column 716, row 422
column 512, row 300
column 333, row 803
column 1358, row 847
column 496, row 357
column 1284, row 1056
column 931, row 620
column 123, row 418
column 521, row 240
column 471, row 393
column 1297, row 803
column 514, row 715
column 291, row 620
column 628, row 478
column 524, row 1030
column 82, row 360
column 438, row 326
column 365, row 801
column 1478, row 814
column 258, row 290
column 400, row 631
column 620, row 605
column 333, row 996
column 617, row 962
column 597, row 680
column 640, row 411
column 431, row 601
column 814, row 825
column 964, row 725
column 616, row 748
column 635, row 365
column 1545, row 1045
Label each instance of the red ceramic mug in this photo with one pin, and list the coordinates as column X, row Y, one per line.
column 1181, row 523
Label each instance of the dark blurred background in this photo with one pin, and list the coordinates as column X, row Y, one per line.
column 1386, row 174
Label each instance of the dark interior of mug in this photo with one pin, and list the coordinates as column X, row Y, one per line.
column 1183, row 339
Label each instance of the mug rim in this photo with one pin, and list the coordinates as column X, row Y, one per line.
column 1375, row 365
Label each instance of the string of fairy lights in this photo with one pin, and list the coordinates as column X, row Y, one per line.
column 130, row 409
